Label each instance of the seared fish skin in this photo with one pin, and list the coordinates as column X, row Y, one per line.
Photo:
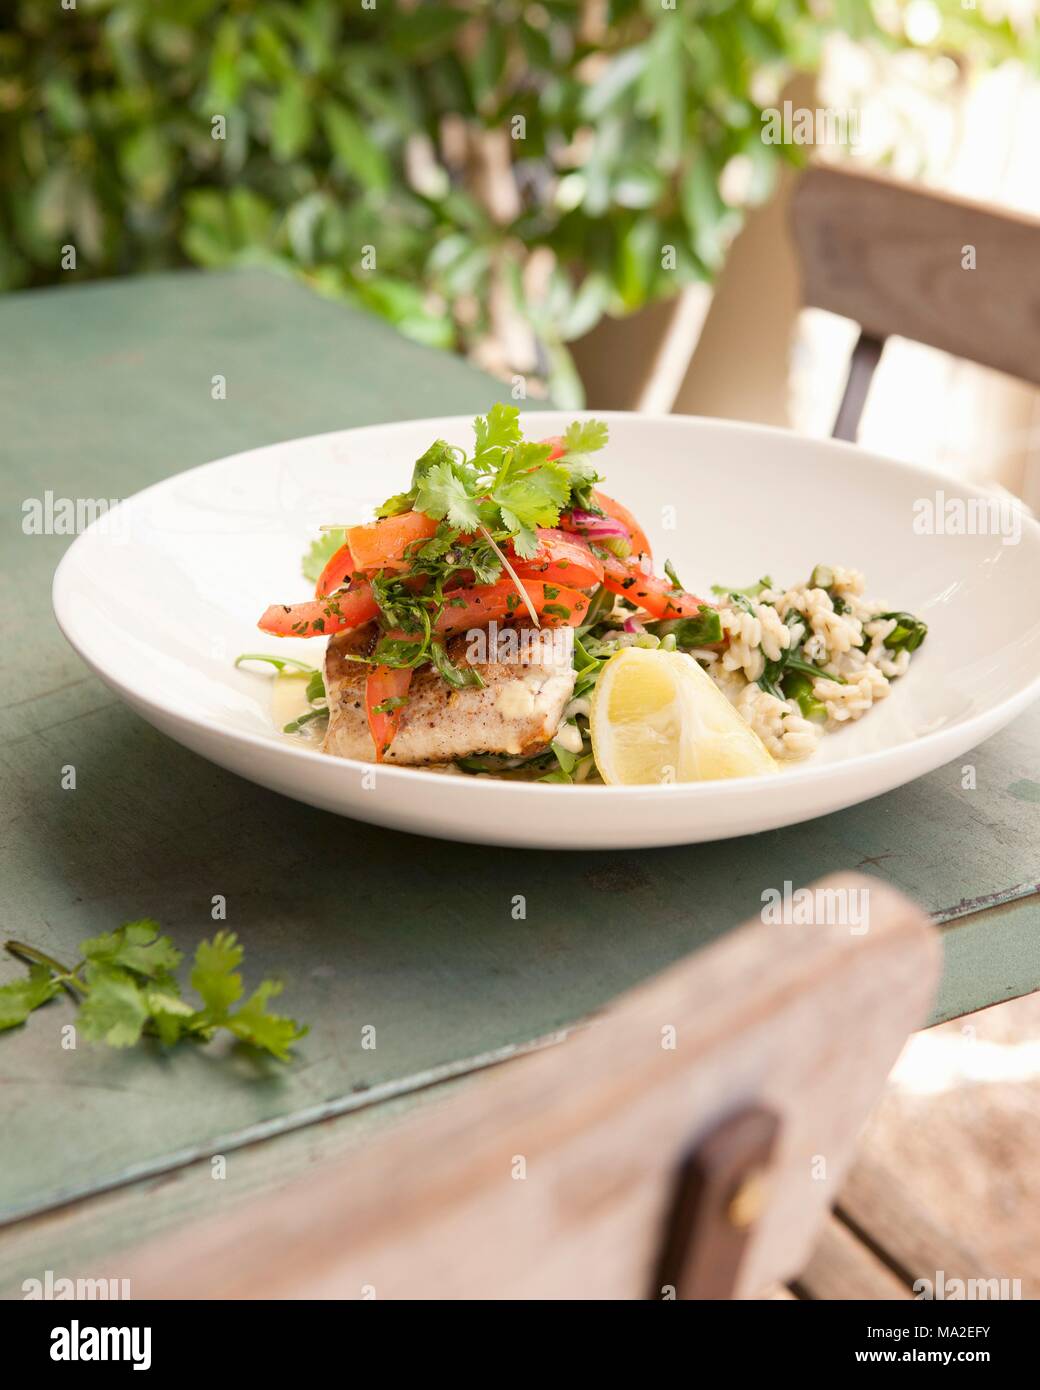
column 517, row 713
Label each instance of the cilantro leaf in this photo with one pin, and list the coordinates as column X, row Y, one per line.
column 458, row 677
column 214, row 975
column 320, row 553
column 125, row 988
column 115, row 1009
column 21, row 997
column 393, row 506
column 255, row 1025
column 497, row 431
column 585, row 436
column 136, row 946
column 441, row 493
column 530, row 492
column 170, row 1013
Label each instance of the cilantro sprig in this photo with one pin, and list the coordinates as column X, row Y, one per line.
column 126, row 989
column 508, row 485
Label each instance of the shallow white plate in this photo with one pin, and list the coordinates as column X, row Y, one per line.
column 162, row 597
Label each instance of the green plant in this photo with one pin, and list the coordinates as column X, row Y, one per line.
column 491, row 177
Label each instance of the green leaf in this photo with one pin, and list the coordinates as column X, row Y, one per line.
column 530, row 491
column 702, row 631
column 907, row 635
column 458, row 677
column 170, row 1014
column 442, row 494
column 292, row 122
column 137, row 946
column 495, row 432
column 19, row 998
column 585, row 436
column 254, row 1024
column 320, row 552
column 115, row 1009
column 214, row 975
column 394, row 506
column 354, row 148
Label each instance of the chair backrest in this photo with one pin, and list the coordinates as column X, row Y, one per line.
column 692, row 1136
column 904, row 261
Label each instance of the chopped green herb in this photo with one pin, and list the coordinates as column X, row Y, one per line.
column 669, row 570
column 752, row 591
column 458, row 677
column 391, row 703
column 702, row 631
column 907, row 635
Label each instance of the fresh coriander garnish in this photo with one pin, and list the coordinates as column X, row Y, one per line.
column 126, row 989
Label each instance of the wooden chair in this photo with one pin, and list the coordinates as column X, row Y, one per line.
column 688, row 1142
column 895, row 259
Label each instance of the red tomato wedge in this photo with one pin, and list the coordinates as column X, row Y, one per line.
column 382, row 684
column 558, row 445
column 656, row 595
column 556, row 605
column 336, row 573
column 380, row 544
column 320, row 617
column 561, row 559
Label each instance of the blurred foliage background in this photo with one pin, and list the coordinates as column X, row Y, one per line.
column 490, row 177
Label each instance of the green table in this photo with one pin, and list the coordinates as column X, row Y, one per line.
column 105, row 389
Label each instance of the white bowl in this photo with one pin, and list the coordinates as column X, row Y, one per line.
column 162, row 595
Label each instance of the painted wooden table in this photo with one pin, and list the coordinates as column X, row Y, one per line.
column 105, row 389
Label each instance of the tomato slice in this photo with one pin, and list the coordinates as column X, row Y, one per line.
column 321, row 617
column 561, row 559
column 336, row 573
column 557, row 605
column 386, row 683
column 647, row 591
column 558, row 446
column 381, row 544
column 619, row 512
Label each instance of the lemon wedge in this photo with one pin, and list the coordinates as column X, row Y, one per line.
column 658, row 717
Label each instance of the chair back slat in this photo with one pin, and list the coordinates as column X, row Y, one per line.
column 898, row 260
column 556, row 1175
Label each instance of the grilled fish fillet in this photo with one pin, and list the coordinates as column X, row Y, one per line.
column 517, row 713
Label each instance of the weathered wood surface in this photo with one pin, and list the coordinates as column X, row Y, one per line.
column 880, row 1244
column 554, row 1176
column 927, row 266
column 106, row 389
column 843, row 1268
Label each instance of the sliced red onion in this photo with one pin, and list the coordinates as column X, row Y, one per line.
column 601, row 526
column 634, row 625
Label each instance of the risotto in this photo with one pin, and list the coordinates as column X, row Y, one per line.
column 836, row 651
